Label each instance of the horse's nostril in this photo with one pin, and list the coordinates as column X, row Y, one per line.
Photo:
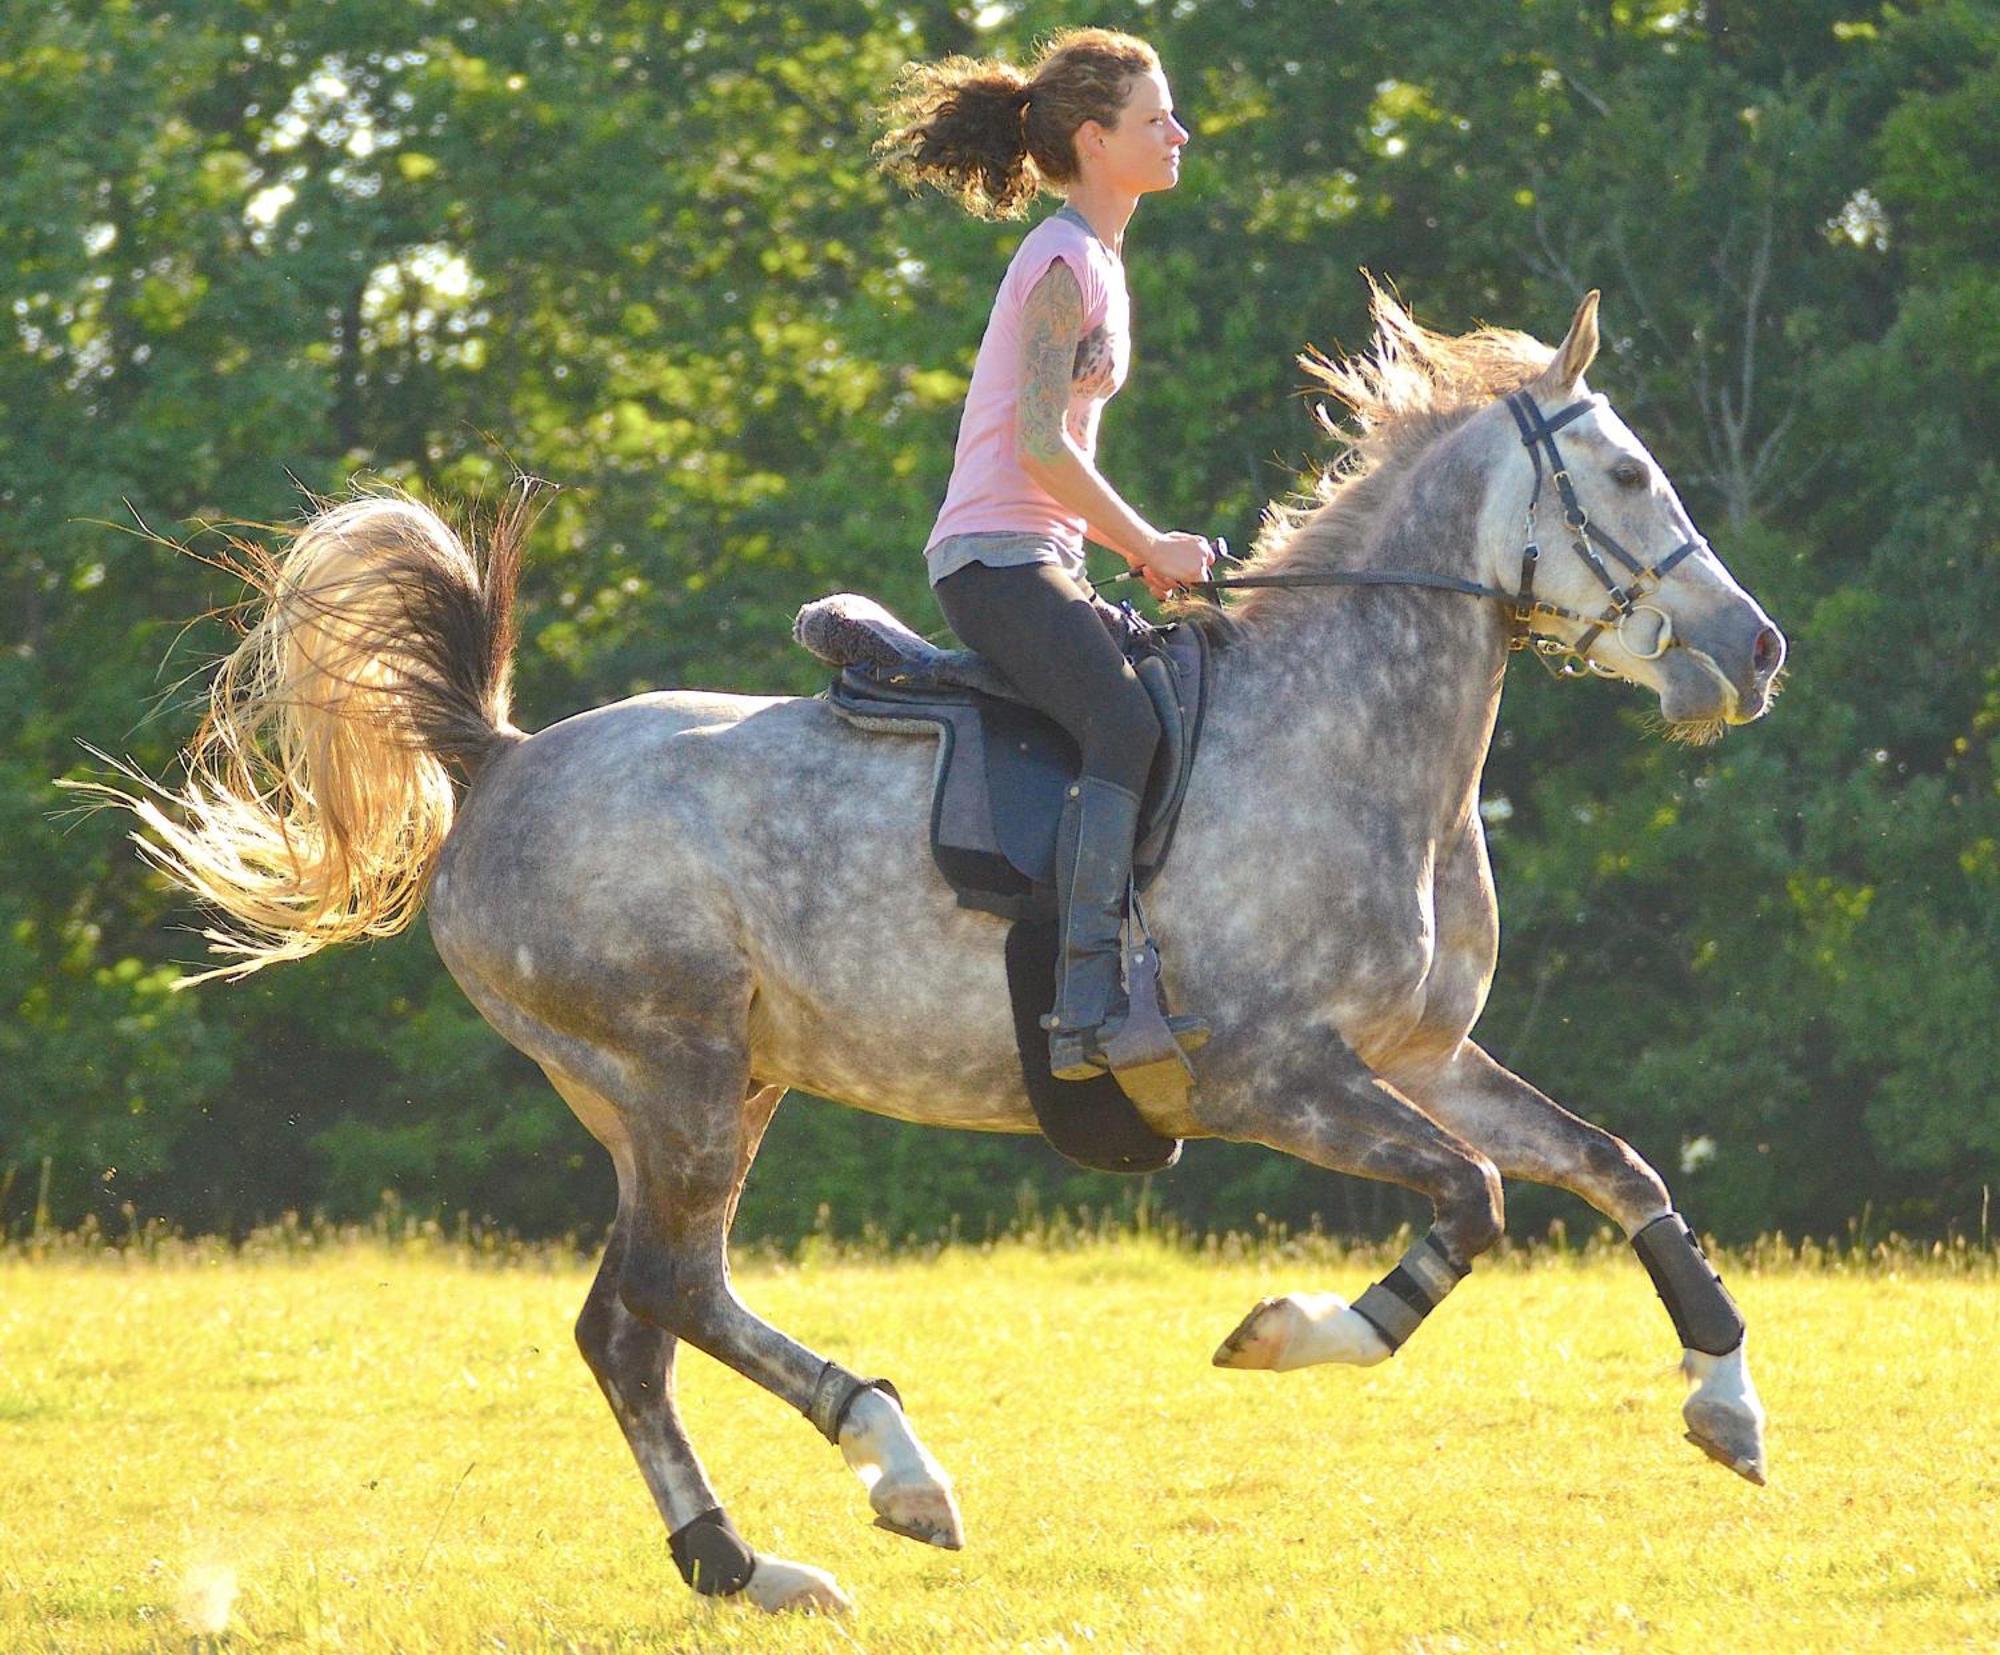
column 1768, row 651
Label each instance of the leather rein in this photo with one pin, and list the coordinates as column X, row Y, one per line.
column 1625, row 596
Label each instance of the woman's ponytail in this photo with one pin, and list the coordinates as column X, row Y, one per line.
column 959, row 126
column 991, row 135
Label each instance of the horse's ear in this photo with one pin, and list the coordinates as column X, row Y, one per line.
column 1577, row 351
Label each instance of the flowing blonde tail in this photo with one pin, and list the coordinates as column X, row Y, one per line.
column 318, row 789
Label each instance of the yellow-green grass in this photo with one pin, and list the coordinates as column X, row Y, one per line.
column 372, row 1445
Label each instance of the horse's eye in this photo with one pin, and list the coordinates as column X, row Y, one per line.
column 1629, row 474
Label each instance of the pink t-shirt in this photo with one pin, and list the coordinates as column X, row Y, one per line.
column 989, row 492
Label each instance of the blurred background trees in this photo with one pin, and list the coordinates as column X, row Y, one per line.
column 254, row 246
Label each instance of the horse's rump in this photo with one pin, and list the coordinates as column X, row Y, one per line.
column 646, row 855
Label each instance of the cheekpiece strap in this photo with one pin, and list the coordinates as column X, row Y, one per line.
column 1519, row 404
column 1524, row 602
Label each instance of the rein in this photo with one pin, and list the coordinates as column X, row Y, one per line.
column 1564, row 659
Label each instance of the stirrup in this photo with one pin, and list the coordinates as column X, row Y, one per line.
column 1130, row 1045
column 1078, row 1054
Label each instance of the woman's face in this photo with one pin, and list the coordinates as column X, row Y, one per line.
column 1142, row 153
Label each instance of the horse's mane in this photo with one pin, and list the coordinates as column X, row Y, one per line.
column 1408, row 388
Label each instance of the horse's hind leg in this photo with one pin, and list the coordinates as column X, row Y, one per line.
column 693, row 1140
column 1531, row 1136
column 633, row 1361
column 1327, row 1107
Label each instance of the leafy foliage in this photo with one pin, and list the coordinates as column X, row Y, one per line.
column 638, row 250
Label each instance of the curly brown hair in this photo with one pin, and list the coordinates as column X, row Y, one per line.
column 993, row 135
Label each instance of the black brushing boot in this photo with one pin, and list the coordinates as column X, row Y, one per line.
column 1094, row 839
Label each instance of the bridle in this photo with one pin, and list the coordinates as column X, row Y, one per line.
column 1624, row 598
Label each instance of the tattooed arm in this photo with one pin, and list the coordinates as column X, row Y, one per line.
column 1051, row 324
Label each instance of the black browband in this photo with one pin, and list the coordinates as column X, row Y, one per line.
column 1538, row 435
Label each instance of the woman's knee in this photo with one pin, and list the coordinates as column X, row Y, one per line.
column 1138, row 720
column 1124, row 731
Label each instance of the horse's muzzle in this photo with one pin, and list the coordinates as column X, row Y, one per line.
column 1767, row 662
column 1752, row 676
column 1724, row 667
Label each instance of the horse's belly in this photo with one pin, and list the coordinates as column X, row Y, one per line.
column 931, row 1046
column 873, row 987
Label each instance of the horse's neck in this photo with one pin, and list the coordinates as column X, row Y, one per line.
column 1387, row 693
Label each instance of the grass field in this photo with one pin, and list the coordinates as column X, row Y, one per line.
column 375, row 1445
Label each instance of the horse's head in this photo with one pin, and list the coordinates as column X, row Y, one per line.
column 1622, row 577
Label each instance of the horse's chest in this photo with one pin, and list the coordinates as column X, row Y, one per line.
column 1385, row 980
column 1464, row 935
column 1396, row 955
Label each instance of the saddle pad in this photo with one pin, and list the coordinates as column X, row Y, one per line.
column 965, row 841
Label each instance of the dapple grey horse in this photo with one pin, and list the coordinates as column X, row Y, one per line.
column 684, row 904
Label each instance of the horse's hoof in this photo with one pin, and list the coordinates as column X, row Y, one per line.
column 1750, row 1468
column 908, row 1489
column 1300, row 1330
column 922, row 1511
column 1258, row 1339
column 776, row 1585
column 1725, row 1418
column 1728, row 1433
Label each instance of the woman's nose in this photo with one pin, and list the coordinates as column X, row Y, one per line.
column 1178, row 133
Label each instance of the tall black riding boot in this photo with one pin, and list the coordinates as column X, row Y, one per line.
column 1093, row 882
column 1093, row 876
column 1093, row 873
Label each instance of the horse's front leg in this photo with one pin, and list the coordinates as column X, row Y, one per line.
column 1531, row 1136
column 1322, row 1104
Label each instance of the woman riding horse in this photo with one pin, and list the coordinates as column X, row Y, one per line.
column 1094, row 122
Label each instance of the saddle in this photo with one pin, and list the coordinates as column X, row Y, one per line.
column 1003, row 770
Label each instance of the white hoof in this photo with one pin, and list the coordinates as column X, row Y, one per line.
column 776, row 1585
column 1300, row 1330
column 908, row 1489
column 919, row 1511
column 1725, row 1417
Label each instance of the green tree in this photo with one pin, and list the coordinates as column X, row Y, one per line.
column 639, row 251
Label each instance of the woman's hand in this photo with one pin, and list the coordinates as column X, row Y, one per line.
column 1172, row 561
